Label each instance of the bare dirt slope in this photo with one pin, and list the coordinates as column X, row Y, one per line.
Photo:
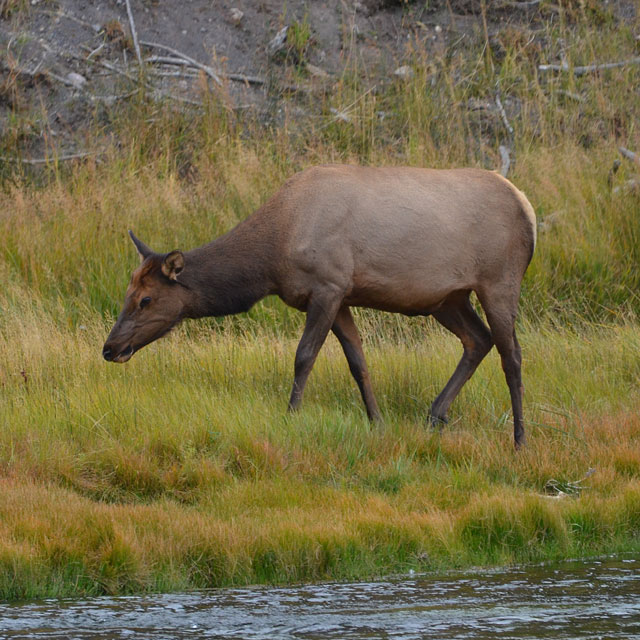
column 61, row 58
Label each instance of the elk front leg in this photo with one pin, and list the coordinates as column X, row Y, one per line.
column 321, row 314
column 347, row 333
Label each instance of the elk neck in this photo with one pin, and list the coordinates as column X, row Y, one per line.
column 230, row 274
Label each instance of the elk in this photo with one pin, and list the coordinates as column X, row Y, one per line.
column 405, row 240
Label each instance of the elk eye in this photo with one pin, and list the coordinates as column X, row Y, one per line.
column 144, row 302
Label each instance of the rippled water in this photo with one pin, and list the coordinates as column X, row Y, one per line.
column 593, row 599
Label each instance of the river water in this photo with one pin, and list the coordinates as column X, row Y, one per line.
column 579, row 599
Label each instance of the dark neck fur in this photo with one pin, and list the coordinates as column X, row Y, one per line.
column 230, row 274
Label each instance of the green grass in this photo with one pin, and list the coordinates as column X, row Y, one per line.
column 182, row 469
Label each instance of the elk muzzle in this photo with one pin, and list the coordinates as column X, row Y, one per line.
column 111, row 354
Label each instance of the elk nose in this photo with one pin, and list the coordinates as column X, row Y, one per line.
column 107, row 354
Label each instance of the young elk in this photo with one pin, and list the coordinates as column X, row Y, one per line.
column 406, row 240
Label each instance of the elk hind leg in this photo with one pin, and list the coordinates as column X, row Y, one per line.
column 458, row 315
column 500, row 306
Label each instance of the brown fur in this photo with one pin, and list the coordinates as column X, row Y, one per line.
column 413, row 241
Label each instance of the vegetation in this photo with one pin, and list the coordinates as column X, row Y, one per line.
column 181, row 469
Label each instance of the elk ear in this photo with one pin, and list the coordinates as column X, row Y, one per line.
column 141, row 247
column 173, row 264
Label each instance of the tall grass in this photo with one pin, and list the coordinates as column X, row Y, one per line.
column 181, row 177
column 181, row 469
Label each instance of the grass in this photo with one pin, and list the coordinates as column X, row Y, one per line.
column 181, row 469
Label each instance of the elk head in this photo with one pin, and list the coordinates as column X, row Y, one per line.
column 154, row 303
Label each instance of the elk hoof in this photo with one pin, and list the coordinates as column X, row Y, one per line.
column 520, row 444
column 438, row 422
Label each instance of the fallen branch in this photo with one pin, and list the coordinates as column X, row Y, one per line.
column 134, row 33
column 580, row 71
column 165, row 73
column 238, row 77
column 503, row 114
column 109, row 100
column 506, row 160
column 154, row 91
column 61, row 14
column 629, row 155
column 172, row 60
column 560, row 487
column 96, row 50
column 63, row 158
column 526, row 4
column 569, row 94
column 114, row 68
column 208, row 70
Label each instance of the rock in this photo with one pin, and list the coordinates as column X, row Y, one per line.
column 76, row 80
column 277, row 43
column 404, row 72
column 316, row 72
column 235, row 15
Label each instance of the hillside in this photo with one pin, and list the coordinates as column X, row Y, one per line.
column 66, row 62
